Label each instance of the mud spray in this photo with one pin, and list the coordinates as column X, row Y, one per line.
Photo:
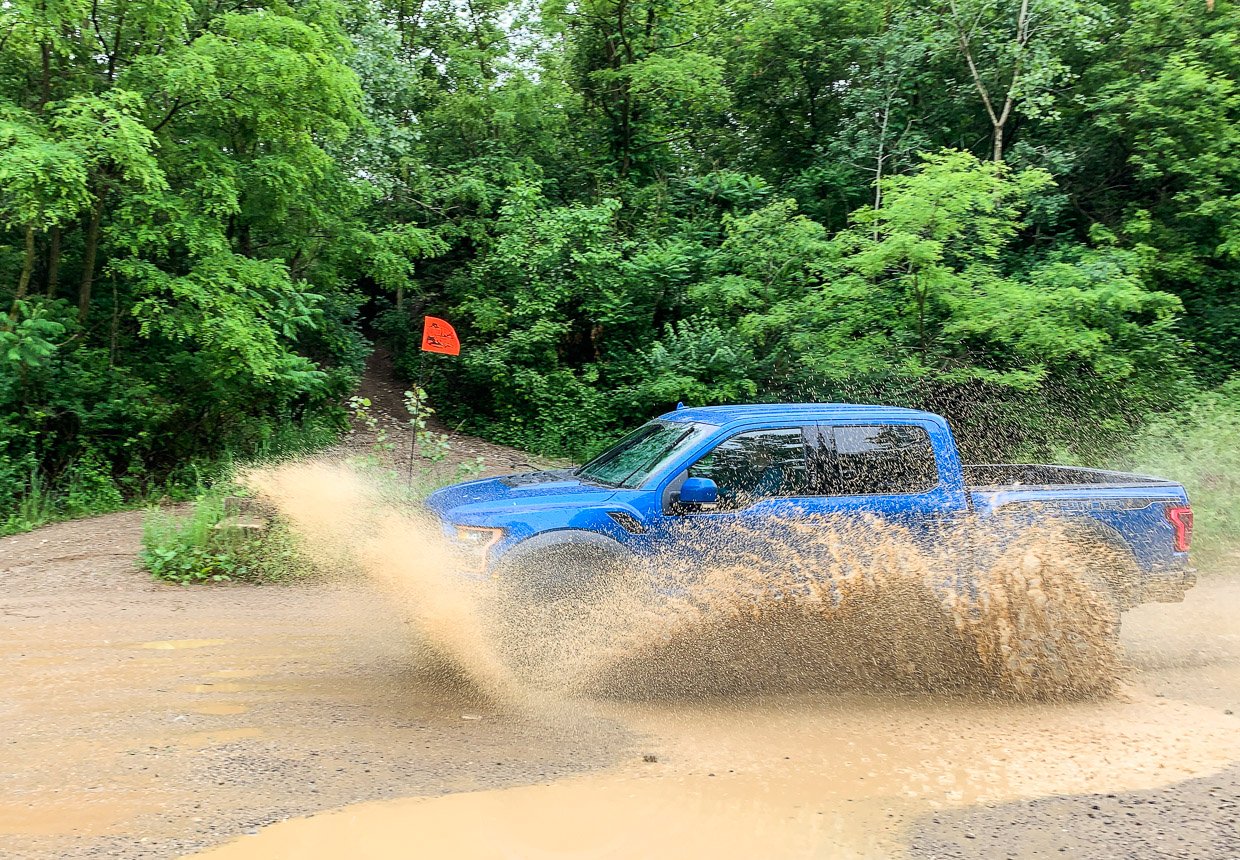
column 826, row 605
column 807, row 703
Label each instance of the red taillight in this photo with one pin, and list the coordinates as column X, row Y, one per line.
column 1181, row 519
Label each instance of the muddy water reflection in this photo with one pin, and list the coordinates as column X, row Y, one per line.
column 813, row 776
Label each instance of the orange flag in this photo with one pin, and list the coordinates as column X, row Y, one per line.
column 439, row 336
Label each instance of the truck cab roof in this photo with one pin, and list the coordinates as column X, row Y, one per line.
column 721, row 415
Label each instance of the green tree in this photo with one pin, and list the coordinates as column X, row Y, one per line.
column 1171, row 108
column 927, row 286
column 1017, row 51
column 45, row 185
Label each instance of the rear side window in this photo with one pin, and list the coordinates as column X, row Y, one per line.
column 873, row 459
column 757, row 465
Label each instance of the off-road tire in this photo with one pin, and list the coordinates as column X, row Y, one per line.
column 540, row 596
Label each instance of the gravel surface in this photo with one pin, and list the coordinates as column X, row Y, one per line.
column 1197, row 819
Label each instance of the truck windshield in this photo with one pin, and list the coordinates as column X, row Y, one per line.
column 640, row 454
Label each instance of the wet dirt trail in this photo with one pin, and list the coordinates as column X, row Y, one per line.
column 798, row 779
column 142, row 720
column 147, row 720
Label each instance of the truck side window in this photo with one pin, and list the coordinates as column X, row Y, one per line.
column 874, row 459
column 757, row 465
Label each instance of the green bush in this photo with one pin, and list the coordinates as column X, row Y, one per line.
column 90, row 487
column 189, row 547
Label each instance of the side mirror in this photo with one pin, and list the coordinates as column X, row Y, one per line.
column 699, row 491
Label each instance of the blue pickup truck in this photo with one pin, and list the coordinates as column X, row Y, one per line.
column 730, row 476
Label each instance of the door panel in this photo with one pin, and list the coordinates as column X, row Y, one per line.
column 878, row 475
column 764, row 482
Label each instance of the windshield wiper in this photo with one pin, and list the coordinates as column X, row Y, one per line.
column 591, row 479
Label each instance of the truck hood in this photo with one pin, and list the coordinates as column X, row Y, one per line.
column 512, row 493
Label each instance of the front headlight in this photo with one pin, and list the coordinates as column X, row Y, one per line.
column 475, row 542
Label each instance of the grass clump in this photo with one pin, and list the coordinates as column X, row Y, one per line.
column 202, row 544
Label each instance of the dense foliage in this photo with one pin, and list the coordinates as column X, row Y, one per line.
column 1023, row 213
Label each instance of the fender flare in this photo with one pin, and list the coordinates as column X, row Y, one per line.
column 1125, row 584
column 545, row 541
column 554, row 579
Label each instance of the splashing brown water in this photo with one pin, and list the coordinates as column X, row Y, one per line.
column 349, row 522
column 832, row 605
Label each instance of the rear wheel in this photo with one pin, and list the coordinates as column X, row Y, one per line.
column 1051, row 618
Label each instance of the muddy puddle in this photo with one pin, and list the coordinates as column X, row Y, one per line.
column 921, row 704
column 815, row 776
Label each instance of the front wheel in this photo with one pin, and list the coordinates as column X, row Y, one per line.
column 565, row 574
column 544, row 604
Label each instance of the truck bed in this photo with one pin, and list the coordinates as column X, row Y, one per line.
column 994, row 476
column 1130, row 509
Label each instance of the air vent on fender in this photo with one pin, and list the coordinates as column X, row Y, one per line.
column 627, row 522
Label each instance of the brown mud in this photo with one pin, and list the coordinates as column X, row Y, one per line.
column 811, row 777
column 308, row 698
column 143, row 720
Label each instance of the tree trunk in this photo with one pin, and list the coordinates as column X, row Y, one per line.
column 45, row 79
column 23, row 282
column 88, row 259
column 53, row 263
column 998, row 118
column 879, row 159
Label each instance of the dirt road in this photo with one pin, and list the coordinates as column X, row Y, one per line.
column 1186, row 652
column 142, row 719
column 145, row 720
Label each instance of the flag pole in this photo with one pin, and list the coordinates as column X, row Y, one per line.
column 437, row 336
column 418, row 393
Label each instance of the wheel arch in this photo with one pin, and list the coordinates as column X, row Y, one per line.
column 560, row 539
column 1125, row 583
column 561, row 563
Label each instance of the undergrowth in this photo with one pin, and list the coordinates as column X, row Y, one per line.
column 90, row 486
column 206, row 544
column 1199, row 446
